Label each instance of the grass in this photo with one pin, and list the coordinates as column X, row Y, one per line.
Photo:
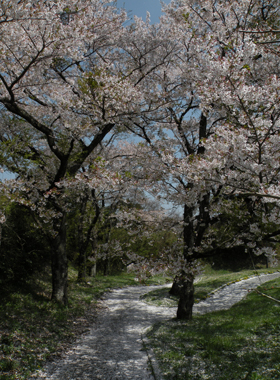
column 33, row 329
column 160, row 297
column 210, row 281
column 240, row 343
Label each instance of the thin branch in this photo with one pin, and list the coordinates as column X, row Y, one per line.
column 265, row 295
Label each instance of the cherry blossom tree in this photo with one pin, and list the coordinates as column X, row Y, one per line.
column 243, row 83
column 200, row 89
column 173, row 127
column 201, row 98
column 226, row 69
column 247, row 163
column 67, row 85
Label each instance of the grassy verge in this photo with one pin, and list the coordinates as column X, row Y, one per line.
column 210, row 281
column 34, row 330
column 240, row 343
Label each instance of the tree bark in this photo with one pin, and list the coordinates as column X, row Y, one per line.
column 192, row 237
column 106, row 266
column 185, row 283
column 82, row 266
column 84, row 241
column 93, row 258
column 176, row 286
column 93, row 270
column 186, row 301
column 60, row 265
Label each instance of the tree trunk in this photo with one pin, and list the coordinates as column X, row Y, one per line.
column 92, row 258
column 186, row 300
column 82, row 266
column 93, row 270
column 84, row 241
column 176, row 286
column 106, row 267
column 185, row 282
column 60, row 265
column 193, row 234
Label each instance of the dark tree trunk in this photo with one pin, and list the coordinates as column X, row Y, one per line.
column 193, row 235
column 82, row 260
column 106, row 267
column 60, row 265
column 186, row 300
column 176, row 286
column 185, row 281
column 82, row 263
column 84, row 241
column 93, row 258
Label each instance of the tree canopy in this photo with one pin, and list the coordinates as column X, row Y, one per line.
column 186, row 111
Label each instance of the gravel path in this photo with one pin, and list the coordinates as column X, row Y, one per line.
column 113, row 349
column 227, row 296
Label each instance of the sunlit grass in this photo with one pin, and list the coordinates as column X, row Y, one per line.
column 241, row 343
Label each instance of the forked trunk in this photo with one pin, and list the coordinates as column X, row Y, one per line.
column 186, row 301
column 60, row 265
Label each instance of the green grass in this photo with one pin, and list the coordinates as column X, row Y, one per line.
column 210, row 281
column 160, row 297
column 240, row 343
column 33, row 329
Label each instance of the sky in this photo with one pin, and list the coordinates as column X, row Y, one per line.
column 140, row 8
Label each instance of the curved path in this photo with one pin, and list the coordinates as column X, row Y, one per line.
column 113, row 349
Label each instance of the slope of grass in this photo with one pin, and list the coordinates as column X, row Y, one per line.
column 33, row 329
column 210, row 281
column 240, row 343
